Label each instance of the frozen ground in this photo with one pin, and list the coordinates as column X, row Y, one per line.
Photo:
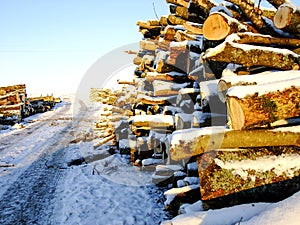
column 39, row 186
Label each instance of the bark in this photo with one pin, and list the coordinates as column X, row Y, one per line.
column 257, row 79
column 288, row 18
column 172, row 76
column 249, row 56
column 257, row 108
column 149, row 45
column 267, row 40
column 184, row 3
column 201, row 7
column 176, row 20
column 152, row 121
column 163, row 21
column 184, row 36
column 193, row 28
column 193, row 142
column 156, row 100
column 219, row 178
column 277, row 3
column 219, row 25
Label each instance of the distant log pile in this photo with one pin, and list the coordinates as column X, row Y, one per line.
column 228, row 76
column 14, row 104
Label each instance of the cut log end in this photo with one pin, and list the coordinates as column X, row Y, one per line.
column 283, row 17
column 238, row 121
column 222, row 90
column 216, row 27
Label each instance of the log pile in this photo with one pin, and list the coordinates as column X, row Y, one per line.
column 14, row 104
column 216, row 84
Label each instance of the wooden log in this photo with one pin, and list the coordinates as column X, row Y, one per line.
column 260, row 105
column 192, row 142
column 201, row 7
column 171, row 76
column 249, row 55
column 183, row 121
column 184, row 3
column 176, row 20
column 149, row 45
column 278, row 3
column 219, row 25
column 240, row 176
column 266, row 40
column 166, row 100
column 152, row 121
column 105, row 140
column 170, row 31
column 288, row 18
column 257, row 79
column 194, row 28
column 184, row 36
column 167, row 88
column 163, row 21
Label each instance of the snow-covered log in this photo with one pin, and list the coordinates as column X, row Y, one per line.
column 288, row 18
column 153, row 121
column 257, row 79
column 166, row 88
column 171, row 76
column 183, row 121
column 266, row 40
column 184, row 3
column 176, row 20
column 241, row 176
column 192, row 142
column 201, row 7
column 219, row 25
column 260, row 105
column 249, row 55
column 193, row 28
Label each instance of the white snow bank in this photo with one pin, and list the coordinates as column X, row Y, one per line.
column 225, row 216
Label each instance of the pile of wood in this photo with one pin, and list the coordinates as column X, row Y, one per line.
column 14, row 104
column 218, row 85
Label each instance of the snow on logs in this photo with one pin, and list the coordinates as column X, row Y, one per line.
column 249, row 55
column 185, row 144
column 259, row 105
column 287, row 18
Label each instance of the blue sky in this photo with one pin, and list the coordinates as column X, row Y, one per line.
column 50, row 44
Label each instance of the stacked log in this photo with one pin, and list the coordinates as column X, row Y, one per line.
column 12, row 103
column 215, row 84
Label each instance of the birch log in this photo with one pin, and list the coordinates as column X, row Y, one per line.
column 260, row 105
column 192, row 142
column 249, row 55
column 219, row 25
column 257, row 79
column 287, row 18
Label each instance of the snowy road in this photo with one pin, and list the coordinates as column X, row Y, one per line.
column 40, row 187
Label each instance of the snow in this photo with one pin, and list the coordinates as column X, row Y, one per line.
column 189, row 135
column 225, row 216
column 172, row 193
column 280, row 165
column 244, row 91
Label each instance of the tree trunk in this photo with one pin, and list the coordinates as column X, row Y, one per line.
column 267, row 40
column 219, row 25
column 176, row 20
column 193, row 28
column 260, row 105
column 249, row 55
column 184, row 3
column 277, row 3
column 201, row 7
column 192, row 142
column 288, row 18
column 153, row 121
column 257, row 79
column 172, row 76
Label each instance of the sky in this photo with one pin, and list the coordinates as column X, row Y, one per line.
column 50, row 45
